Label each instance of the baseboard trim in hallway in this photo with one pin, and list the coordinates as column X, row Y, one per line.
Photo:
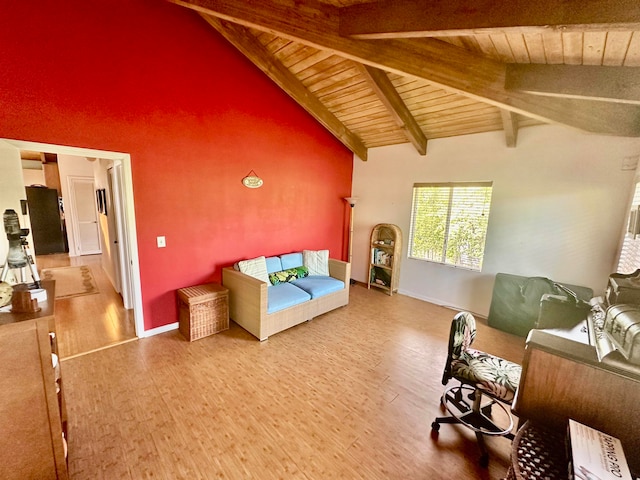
column 114, row 344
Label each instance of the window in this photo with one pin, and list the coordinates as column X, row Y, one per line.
column 449, row 223
column 630, row 255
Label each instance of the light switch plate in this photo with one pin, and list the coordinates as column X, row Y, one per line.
column 162, row 242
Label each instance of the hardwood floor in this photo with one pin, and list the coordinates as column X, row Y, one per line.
column 350, row 395
column 89, row 322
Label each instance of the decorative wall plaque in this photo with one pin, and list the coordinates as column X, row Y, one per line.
column 252, row 180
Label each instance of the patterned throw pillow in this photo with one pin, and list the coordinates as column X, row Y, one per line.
column 288, row 275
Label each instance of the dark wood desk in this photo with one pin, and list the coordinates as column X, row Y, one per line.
column 562, row 378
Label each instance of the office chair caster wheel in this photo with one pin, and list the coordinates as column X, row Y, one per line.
column 435, row 426
column 484, row 460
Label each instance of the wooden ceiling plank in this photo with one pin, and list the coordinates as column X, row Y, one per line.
column 612, row 84
column 329, row 66
column 510, row 125
column 340, row 93
column 593, row 48
column 277, row 44
column 310, row 61
column 439, row 63
column 503, row 48
column 461, row 111
column 535, row 47
column 572, row 47
column 247, row 43
column 391, row 99
column 376, row 110
column 368, row 100
column 632, row 58
column 553, row 51
column 615, row 48
column 411, row 18
column 493, row 122
column 487, row 47
column 519, row 48
column 340, row 86
column 326, row 78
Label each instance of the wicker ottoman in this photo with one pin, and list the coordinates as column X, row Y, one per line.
column 204, row 310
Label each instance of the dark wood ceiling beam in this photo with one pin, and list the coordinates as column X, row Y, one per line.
column 379, row 81
column 415, row 18
column 247, row 43
column 593, row 82
column 510, row 126
column 437, row 62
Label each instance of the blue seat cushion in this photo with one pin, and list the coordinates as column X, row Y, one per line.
column 318, row 285
column 284, row 295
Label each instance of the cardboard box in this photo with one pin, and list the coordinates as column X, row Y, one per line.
column 595, row 455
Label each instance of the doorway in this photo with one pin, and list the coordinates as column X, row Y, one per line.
column 128, row 240
column 87, row 323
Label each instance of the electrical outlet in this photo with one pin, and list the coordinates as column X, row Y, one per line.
column 162, row 242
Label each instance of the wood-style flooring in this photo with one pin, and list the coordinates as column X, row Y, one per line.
column 89, row 322
column 350, row 395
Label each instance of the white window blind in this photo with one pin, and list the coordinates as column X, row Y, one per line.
column 629, row 260
column 449, row 223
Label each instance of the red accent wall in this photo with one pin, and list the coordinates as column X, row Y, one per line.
column 154, row 80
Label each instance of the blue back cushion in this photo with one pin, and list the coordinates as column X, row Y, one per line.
column 290, row 260
column 273, row 264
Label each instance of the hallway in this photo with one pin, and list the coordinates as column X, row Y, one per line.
column 89, row 322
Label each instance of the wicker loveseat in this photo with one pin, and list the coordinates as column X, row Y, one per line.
column 263, row 309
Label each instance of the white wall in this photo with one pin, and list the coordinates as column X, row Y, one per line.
column 33, row 177
column 11, row 192
column 559, row 206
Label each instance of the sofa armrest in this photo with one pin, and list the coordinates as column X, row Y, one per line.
column 340, row 270
column 247, row 299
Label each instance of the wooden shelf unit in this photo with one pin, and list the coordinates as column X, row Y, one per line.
column 33, row 416
column 385, row 256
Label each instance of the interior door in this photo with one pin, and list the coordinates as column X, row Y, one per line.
column 119, row 208
column 85, row 216
column 114, row 234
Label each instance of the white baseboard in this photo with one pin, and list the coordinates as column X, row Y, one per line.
column 159, row 330
column 438, row 302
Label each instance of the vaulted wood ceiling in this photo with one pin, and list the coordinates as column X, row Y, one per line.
column 397, row 71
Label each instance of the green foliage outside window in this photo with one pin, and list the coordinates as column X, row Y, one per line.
column 449, row 223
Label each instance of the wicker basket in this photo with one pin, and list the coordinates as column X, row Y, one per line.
column 538, row 453
column 204, row 310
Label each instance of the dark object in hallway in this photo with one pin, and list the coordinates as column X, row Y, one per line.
column 46, row 222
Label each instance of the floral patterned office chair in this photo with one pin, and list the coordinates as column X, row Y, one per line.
column 485, row 380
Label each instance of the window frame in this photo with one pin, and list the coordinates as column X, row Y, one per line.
column 450, row 209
